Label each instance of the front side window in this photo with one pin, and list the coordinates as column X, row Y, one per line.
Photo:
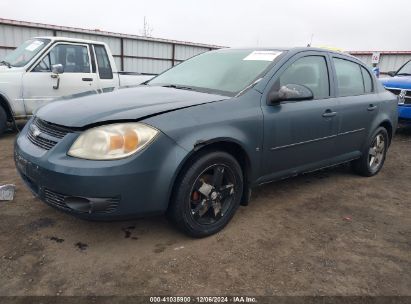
column 224, row 71
column 103, row 63
column 44, row 65
column 74, row 58
column 25, row 52
column 310, row 71
column 349, row 77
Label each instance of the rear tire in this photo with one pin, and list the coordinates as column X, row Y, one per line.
column 373, row 156
column 207, row 194
column 3, row 120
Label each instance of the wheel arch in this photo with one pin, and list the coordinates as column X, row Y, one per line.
column 227, row 145
column 4, row 103
column 388, row 126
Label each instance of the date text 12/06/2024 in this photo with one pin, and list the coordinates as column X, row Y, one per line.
column 223, row 299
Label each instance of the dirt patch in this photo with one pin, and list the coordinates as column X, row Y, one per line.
column 325, row 233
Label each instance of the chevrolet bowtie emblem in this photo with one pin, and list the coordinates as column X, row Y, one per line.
column 35, row 131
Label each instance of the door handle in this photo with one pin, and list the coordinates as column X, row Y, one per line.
column 371, row 107
column 87, row 79
column 329, row 113
column 57, row 85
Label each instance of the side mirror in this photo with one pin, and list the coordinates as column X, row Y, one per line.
column 392, row 73
column 57, row 69
column 290, row 92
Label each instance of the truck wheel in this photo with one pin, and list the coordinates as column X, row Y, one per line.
column 373, row 156
column 3, row 120
column 207, row 195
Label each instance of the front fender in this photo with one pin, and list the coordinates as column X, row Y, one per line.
column 11, row 92
column 237, row 120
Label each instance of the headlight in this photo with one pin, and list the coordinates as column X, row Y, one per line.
column 112, row 141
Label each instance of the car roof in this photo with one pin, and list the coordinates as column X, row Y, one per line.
column 68, row 39
column 293, row 49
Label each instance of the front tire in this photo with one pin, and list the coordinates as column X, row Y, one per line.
column 207, row 194
column 373, row 157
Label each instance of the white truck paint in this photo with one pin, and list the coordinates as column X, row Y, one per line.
column 46, row 68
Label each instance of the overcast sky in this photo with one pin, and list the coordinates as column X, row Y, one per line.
column 346, row 24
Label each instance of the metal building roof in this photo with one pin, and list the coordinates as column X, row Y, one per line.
column 99, row 32
column 381, row 52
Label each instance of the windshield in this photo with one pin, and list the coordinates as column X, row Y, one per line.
column 25, row 52
column 405, row 70
column 223, row 71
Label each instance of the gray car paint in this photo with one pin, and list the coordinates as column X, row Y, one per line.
column 125, row 104
column 278, row 140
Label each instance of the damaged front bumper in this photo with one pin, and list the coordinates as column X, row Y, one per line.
column 138, row 185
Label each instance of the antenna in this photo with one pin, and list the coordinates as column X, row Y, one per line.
column 311, row 40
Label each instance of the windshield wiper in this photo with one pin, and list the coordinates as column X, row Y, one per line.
column 175, row 86
column 403, row 74
column 3, row 62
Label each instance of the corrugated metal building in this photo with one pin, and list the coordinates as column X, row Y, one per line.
column 389, row 60
column 132, row 53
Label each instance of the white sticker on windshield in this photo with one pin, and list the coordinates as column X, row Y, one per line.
column 34, row 45
column 263, row 55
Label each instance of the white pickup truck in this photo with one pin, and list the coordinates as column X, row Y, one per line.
column 46, row 68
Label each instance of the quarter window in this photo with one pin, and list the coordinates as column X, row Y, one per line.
column 74, row 58
column 349, row 77
column 367, row 80
column 310, row 71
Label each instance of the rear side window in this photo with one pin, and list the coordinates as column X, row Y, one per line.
column 349, row 77
column 103, row 63
column 310, row 71
column 367, row 81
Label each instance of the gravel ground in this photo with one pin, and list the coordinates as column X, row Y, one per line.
column 325, row 233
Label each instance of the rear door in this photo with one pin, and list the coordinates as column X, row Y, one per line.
column 40, row 85
column 358, row 105
column 300, row 135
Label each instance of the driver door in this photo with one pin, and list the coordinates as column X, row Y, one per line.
column 41, row 86
column 300, row 135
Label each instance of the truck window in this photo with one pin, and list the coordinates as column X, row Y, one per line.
column 74, row 58
column 103, row 63
column 349, row 77
column 44, row 65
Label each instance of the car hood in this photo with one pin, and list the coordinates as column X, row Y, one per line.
column 123, row 104
column 5, row 69
column 398, row 82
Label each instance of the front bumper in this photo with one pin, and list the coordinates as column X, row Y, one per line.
column 125, row 188
column 404, row 113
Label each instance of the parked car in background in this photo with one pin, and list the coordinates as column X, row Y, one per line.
column 46, row 68
column 194, row 140
column 400, row 84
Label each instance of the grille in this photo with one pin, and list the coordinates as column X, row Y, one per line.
column 407, row 99
column 50, row 129
column 39, row 128
column 58, row 200
column 41, row 142
column 55, row 199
